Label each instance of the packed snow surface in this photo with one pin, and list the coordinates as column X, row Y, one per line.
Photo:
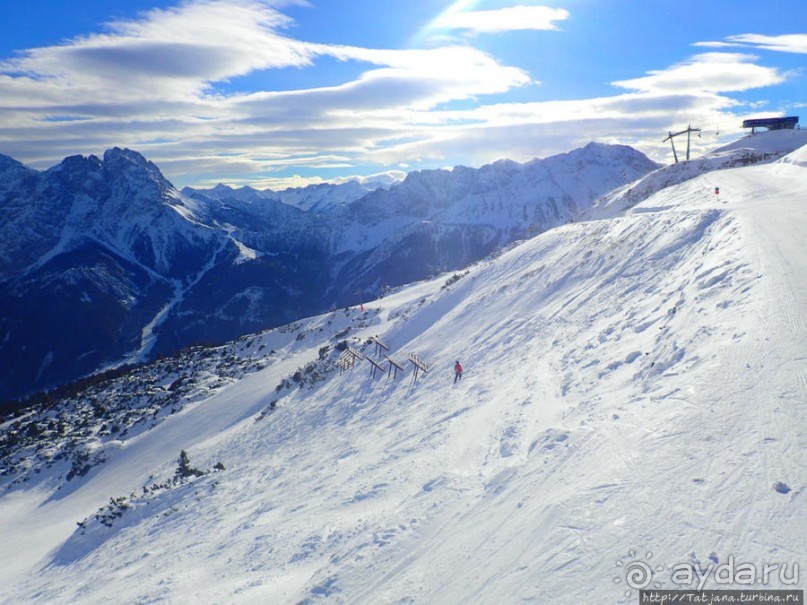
column 634, row 389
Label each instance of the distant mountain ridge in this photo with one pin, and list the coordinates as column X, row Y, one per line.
column 103, row 261
column 321, row 197
column 122, row 202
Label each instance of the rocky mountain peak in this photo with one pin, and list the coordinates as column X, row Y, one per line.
column 132, row 166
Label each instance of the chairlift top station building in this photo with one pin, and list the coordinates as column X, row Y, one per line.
column 788, row 123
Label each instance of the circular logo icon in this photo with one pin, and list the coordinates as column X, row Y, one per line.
column 637, row 574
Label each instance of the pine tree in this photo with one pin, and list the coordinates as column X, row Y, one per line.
column 184, row 468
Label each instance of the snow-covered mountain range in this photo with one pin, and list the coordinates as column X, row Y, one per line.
column 323, row 197
column 104, row 262
column 633, row 401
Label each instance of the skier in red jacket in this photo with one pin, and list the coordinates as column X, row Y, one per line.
column 457, row 371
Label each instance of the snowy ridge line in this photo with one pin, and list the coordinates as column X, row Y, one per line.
column 762, row 148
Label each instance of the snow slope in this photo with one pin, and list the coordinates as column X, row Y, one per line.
column 635, row 388
column 762, row 147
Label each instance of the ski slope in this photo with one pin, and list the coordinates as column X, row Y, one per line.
column 634, row 389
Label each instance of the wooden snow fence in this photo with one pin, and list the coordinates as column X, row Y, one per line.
column 394, row 366
column 380, row 347
column 374, row 365
column 350, row 356
column 419, row 364
column 348, row 359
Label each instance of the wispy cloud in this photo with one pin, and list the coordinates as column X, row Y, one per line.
column 708, row 72
column 151, row 79
column 150, row 83
column 413, row 79
column 504, row 19
column 168, row 53
column 786, row 43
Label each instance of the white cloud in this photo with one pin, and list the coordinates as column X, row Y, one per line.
column 505, row 19
column 708, row 72
column 149, row 80
column 786, row 43
column 521, row 131
column 168, row 53
column 407, row 79
column 148, row 84
column 171, row 57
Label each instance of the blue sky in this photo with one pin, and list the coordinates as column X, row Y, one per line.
column 289, row 92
